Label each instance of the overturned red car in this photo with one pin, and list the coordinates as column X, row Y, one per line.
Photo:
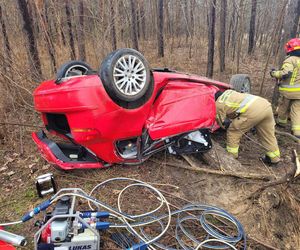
column 125, row 112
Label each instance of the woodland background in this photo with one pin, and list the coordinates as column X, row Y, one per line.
column 216, row 38
column 203, row 36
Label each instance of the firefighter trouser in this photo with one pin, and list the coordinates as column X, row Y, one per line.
column 293, row 106
column 264, row 123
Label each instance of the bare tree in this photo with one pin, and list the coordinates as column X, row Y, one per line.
column 5, row 37
column 142, row 21
column 296, row 20
column 222, row 46
column 160, row 28
column 252, row 26
column 81, row 33
column 211, row 39
column 46, row 32
column 28, row 27
column 69, row 23
column 113, row 27
column 134, row 36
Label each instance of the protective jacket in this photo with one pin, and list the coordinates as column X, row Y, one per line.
column 247, row 111
column 289, row 76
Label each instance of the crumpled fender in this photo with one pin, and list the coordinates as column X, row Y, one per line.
column 182, row 107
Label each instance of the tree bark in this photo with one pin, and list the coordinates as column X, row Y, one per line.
column 81, row 33
column 113, row 27
column 274, row 31
column 296, row 20
column 211, row 39
column 252, row 27
column 222, row 34
column 160, row 28
column 5, row 37
column 46, row 32
column 69, row 23
column 240, row 36
column 28, row 27
column 142, row 21
column 134, row 36
column 290, row 17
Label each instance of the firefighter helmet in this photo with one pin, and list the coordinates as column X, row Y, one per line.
column 292, row 45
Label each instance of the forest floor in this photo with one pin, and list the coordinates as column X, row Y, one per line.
column 273, row 219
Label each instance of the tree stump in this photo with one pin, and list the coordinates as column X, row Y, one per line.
column 218, row 158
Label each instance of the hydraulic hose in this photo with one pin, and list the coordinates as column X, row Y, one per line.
column 134, row 223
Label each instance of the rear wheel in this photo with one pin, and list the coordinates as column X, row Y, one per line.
column 241, row 83
column 126, row 75
column 72, row 68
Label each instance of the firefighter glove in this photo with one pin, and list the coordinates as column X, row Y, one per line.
column 226, row 123
column 272, row 72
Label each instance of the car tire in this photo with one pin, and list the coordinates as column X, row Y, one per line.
column 241, row 83
column 126, row 76
column 73, row 68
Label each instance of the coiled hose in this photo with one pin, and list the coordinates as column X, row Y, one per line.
column 215, row 239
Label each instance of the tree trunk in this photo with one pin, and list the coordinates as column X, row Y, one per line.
column 269, row 49
column 222, row 34
column 47, row 34
column 142, row 21
column 211, row 39
column 138, row 21
column 5, row 37
column 134, row 36
column 252, row 27
column 218, row 158
column 240, row 36
column 113, row 27
column 69, row 23
column 296, row 20
column 290, row 17
column 28, row 27
column 80, row 33
column 160, row 28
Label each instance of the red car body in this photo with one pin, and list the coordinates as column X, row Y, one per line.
column 6, row 246
column 84, row 113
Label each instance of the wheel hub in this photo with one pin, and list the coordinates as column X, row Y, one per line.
column 129, row 75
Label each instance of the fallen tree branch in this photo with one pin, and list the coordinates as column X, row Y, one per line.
column 241, row 175
column 294, row 138
column 290, row 175
column 262, row 243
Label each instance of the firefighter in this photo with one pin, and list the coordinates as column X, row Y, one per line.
column 239, row 113
column 289, row 88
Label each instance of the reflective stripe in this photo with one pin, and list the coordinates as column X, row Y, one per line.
column 225, row 96
column 246, row 103
column 296, row 127
column 283, row 121
column 273, row 154
column 233, row 150
column 290, row 90
column 295, row 73
column 232, row 104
